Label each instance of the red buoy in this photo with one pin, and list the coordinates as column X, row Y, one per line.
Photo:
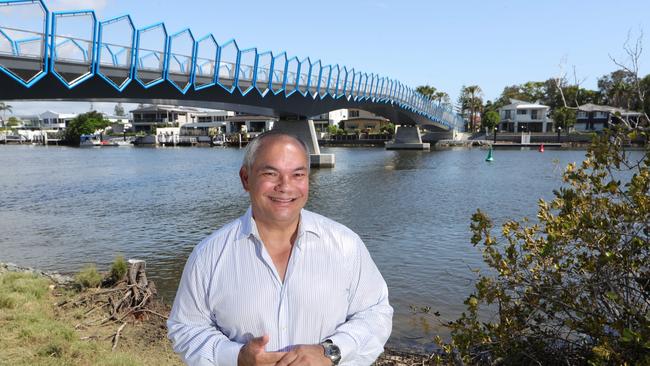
column 541, row 148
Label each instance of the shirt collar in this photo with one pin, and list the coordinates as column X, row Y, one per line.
column 307, row 224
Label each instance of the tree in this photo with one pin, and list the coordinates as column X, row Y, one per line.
column 470, row 99
column 13, row 122
column 119, row 109
column 441, row 97
column 564, row 117
column 490, row 119
column 575, row 287
column 5, row 108
column 618, row 89
column 426, row 90
column 84, row 124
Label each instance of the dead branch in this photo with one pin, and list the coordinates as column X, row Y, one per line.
column 126, row 299
column 117, row 336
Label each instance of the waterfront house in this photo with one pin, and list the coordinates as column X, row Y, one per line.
column 51, row 120
column 592, row 117
column 145, row 118
column 522, row 116
column 357, row 119
column 248, row 123
column 207, row 121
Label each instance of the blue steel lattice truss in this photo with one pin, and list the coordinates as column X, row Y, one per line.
column 226, row 67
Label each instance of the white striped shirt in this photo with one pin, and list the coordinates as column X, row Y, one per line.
column 230, row 292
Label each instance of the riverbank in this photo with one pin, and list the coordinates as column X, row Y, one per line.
column 44, row 322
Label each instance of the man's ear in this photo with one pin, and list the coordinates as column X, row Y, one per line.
column 243, row 175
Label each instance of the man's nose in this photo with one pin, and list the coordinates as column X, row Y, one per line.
column 283, row 182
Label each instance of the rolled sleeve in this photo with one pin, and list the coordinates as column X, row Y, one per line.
column 370, row 317
column 226, row 353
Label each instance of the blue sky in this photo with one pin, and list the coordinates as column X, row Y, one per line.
column 446, row 44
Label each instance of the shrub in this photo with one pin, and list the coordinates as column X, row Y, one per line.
column 88, row 277
column 573, row 288
column 118, row 269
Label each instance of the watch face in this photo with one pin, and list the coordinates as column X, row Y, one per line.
column 333, row 352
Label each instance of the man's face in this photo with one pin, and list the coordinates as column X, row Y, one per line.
column 278, row 182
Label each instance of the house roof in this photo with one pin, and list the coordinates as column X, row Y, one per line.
column 589, row 107
column 57, row 114
column 164, row 108
column 521, row 104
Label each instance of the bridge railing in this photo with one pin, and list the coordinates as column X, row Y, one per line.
column 119, row 53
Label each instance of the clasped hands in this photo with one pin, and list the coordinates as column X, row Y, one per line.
column 253, row 354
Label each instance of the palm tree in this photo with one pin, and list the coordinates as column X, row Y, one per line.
column 4, row 108
column 440, row 97
column 474, row 102
column 426, row 90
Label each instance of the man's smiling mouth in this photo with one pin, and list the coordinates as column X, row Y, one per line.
column 282, row 200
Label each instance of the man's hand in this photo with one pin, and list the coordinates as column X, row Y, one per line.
column 253, row 353
column 305, row 355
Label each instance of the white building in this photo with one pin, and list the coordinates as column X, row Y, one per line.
column 188, row 118
column 251, row 124
column 145, row 118
column 205, row 120
column 521, row 116
column 357, row 119
column 51, row 120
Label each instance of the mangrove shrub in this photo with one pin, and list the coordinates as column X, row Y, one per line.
column 573, row 287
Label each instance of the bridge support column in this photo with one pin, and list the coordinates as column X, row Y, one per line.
column 407, row 138
column 305, row 131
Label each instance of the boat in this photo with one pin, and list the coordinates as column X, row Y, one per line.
column 89, row 141
column 122, row 142
column 95, row 141
column 218, row 140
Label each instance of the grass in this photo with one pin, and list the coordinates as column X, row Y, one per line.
column 88, row 277
column 35, row 331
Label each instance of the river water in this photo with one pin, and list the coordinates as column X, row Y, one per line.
column 61, row 208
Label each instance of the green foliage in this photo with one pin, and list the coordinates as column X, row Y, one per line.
column 573, row 288
column 564, row 117
column 13, row 122
column 389, row 128
column 84, row 124
column 88, row 277
column 547, row 93
column 118, row 269
column 490, row 119
column 426, row 90
column 471, row 100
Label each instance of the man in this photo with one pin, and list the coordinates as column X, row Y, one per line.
column 280, row 285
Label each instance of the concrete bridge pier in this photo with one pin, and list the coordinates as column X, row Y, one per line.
column 407, row 138
column 305, row 131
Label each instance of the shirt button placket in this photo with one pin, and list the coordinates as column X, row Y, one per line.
column 282, row 318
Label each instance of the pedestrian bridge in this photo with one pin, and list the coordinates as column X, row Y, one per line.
column 72, row 55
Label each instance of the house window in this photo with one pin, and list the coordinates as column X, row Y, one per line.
column 521, row 111
column 533, row 114
column 508, row 115
column 354, row 114
column 582, row 114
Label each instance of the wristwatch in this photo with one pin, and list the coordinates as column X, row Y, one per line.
column 332, row 351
